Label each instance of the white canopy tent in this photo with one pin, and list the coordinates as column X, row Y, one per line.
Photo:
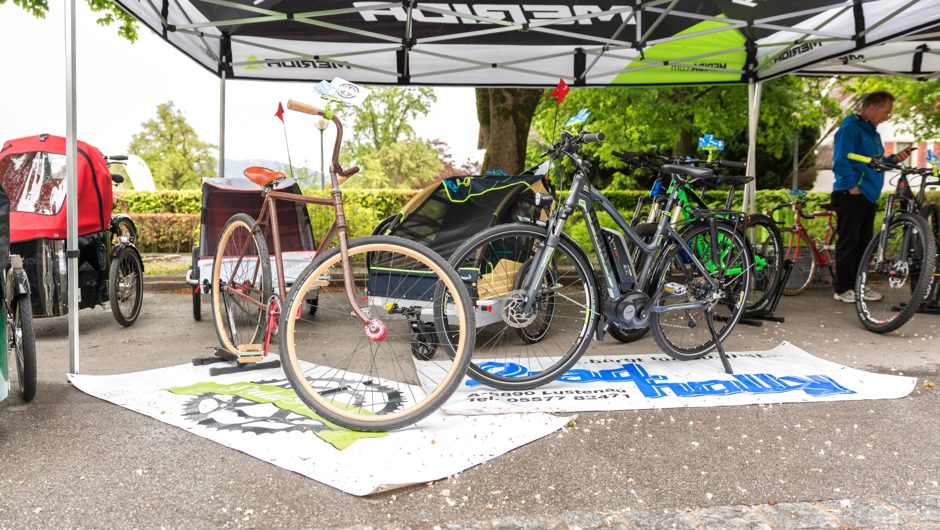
column 506, row 43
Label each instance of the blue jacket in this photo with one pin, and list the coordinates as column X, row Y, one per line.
column 858, row 136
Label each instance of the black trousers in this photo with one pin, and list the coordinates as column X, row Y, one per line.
column 854, row 224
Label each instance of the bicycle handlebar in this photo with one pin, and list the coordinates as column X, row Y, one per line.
column 591, row 138
column 336, row 170
column 303, row 107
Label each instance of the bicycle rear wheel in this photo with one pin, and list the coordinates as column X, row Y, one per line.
column 516, row 350
column 931, row 213
column 403, row 368
column 804, row 262
column 683, row 333
column 242, row 265
column 896, row 270
column 767, row 247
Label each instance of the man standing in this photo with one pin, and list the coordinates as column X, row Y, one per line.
column 857, row 188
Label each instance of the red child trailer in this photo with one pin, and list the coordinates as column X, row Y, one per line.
column 33, row 173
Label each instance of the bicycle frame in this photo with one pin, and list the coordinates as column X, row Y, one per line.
column 584, row 197
column 268, row 219
column 823, row 258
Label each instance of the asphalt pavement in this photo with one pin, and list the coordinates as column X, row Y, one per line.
column 71, row 460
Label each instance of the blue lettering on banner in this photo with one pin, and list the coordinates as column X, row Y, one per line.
column 656, row 386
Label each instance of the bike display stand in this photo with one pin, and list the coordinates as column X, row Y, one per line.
column 766, row 311
column 224, row 356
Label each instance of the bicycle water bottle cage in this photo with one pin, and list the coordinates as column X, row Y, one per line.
column 263, row 176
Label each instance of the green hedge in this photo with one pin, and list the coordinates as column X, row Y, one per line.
column 168, row 221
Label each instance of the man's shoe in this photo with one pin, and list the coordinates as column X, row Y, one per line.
column 872, row 295
column 846, row 296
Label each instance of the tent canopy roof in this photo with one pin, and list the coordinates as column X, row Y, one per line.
column 509, row 43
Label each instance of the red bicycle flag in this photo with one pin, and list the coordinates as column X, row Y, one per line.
column 280, row 112
column 560, row 91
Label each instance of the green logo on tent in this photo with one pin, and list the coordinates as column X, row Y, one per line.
column 695, row 59
column 235, row 407
column 253, row 57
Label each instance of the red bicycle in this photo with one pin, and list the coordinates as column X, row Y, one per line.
column 801, row 248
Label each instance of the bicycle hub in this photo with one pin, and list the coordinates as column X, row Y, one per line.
column 376, row 330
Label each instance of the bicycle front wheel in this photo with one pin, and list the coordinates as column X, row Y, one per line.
column 800, row 252
column 895, row 274
column 683, row 333
column 767, row 253
column 23, row 342
column 401, row 366
column 241, row 284
column 518, row 349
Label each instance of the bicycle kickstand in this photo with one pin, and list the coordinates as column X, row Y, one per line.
column 709, row 320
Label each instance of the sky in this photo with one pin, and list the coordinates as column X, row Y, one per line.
column 120, row 85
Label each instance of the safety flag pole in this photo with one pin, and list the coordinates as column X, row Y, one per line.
column 280, row 116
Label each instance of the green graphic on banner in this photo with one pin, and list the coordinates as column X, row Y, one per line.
column 266, row 393
column 698, row 70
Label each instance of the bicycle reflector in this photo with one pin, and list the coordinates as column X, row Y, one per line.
column 860, row 158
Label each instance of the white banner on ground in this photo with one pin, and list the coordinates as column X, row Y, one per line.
column 785, row 374
column 257, row 412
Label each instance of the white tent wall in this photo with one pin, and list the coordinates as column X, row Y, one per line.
column 653, row 42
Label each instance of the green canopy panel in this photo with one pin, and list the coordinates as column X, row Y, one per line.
column 503, row 43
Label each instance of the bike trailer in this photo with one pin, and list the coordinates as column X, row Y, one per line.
column 443, row 215
column 32, row 172
column 224, row 197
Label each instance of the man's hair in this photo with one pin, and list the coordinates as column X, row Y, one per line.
column 876, row 99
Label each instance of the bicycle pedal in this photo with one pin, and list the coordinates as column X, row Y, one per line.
column 250, row 353
column 675, row 289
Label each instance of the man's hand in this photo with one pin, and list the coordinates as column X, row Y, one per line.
column 903, row 155
column 855, row 191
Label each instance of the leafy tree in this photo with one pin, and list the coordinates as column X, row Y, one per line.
column 170, row 147
column 384, row 144
column 450, row 169
column 109, row 13
column 409, row 163
column 917, row 104
column 669, row 121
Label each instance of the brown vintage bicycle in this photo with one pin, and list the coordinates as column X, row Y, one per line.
column 347, row 328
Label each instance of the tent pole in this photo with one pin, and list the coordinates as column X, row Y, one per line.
column 222, row 124
column 753, row 113
column 71, row 161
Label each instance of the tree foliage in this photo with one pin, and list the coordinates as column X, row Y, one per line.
column 173, row 151
column 669, row 120
column 917, row 106
column 108, row 13
column 384, row 143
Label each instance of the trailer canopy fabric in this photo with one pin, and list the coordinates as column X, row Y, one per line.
column 508, row 43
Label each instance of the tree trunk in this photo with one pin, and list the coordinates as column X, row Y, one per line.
column 505, row 115
column 686, row 144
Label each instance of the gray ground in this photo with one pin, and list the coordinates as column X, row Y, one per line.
column 71, row 460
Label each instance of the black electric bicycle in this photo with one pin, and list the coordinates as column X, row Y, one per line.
column 898, row 266
column 537, row 299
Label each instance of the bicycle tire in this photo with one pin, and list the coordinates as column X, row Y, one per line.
column 901, row 300
column 506, row 364
column 769, row 277
column 236, row 231
column 644, row 231
column 671, row 259
column 931, row 214
column 126, row 278
column 23, row 340
column 321, row 377
column 804, row 267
